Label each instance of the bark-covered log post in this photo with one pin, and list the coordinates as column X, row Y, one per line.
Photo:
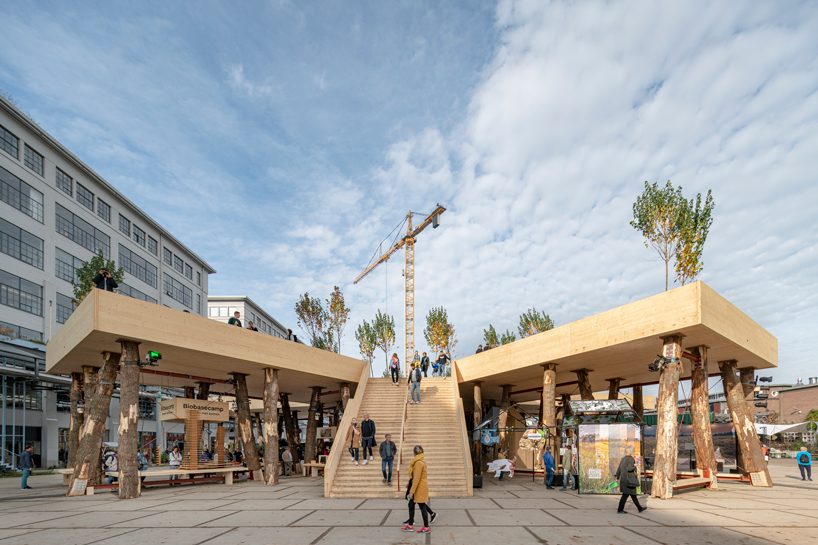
column 289, row 425
column 190, row 392
column 584, row 383
column 344, row 394
column 220, row 454
column 270, row 426
column 75, row 397
column 204, row 391
column 613, row 387
column 548, row 403
column 565, row 400
column 86, row 469
column 128, row 420
column 748, row 382
column 748, row 441
column 243, row 423
column 312, row 432
column 667, row 445
column 505, row 403
column 700, row 413
column 477, row 419
column 638, row 402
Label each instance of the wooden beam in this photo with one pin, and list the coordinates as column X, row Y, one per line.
column 667, row 446
column 585, row 390
column 128, row 420
column 271, row 427
column 75, row 398
column 243, row 423
column 700, row 413
column 184, row 376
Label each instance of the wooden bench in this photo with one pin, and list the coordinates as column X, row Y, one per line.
column 224, row 474
column 314, row 468
column 694, row 482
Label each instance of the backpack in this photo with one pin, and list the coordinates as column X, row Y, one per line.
column 803, row 458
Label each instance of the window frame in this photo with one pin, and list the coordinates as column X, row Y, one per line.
column 28, row 153
column 59, row 181
column 81, row 196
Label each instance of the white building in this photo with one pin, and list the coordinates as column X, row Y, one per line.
column 56, row 213
column 222, row 307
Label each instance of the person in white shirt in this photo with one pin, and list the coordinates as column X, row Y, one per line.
column 175, row 461
column 287, row 458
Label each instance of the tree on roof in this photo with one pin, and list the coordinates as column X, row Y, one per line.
column 533, row 321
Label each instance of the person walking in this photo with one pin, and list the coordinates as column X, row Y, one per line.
column 394, row 368
column 575, row 466
column 424, row 364
column 368, row 437
column 235, row 319
column 418, row 493
column 414, row 384
column 441, row 364
column 387, row 450
column 804, row 459
column 566, row 467
column 287, row 458
column 550, row 466
column 142, row 462
column 175, row 462
column 26, row 464
column 628, row 477
column 354, row 440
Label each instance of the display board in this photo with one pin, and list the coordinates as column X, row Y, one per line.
column 178, row 408
column 601, row 447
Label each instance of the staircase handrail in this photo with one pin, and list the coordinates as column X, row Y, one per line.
column 402, row 434
column 461, row 418
column 335, row 453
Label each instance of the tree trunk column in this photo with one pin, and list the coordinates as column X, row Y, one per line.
column 190, row 392
column 86, row 469
column 477, row 419
column 309, row 442
column 128, row 420
column 505, row 403
column 700, row 413
column 613, row 387
column 344, row 394
column 204, row 391
column 748, row 442
column 548, row 402
column 76, row 419
column 243, row 423
column 667, row 446
column 271, row 426
column 585, row 390
column 638, row 402
column 290, row 425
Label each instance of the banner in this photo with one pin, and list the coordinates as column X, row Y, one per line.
column 601, row 447
column 210, row 411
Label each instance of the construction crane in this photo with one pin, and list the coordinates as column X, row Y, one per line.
column 408, row 243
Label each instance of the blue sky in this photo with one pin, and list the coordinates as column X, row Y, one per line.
column 283, row 140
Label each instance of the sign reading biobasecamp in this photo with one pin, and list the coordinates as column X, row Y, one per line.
column 178, row 409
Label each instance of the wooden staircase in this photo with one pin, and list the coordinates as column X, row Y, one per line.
column 436, row 424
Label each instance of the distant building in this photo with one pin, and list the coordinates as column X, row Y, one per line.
column 222, row 307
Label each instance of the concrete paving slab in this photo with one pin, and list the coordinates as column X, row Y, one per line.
column 687, row 517
column 13, row 533
column 58, row 505
column 358, row 517
column 63, row 537
column 163, row 536
column 513, row 517
column 766, row 517
column 552, row 494
column 256, row 505
column 590, row 535
column 532, row 503
column 10, row 520
column 96, row 519
column 733, row 503
column 805, row 512
column 268, row 536
column 598, row 517
column 445, row 517
column 327, row 503
column 700, row 536
column 786, row 536
column 243, row 519
column 461, row 503
column 189, row 504
column 197, row 495
column 384, row 504
column 276, row 495
column 173, row 519
column 449, row 535
column 493, row 494
column 136, row 504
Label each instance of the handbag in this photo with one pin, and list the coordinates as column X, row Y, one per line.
column 631, row 480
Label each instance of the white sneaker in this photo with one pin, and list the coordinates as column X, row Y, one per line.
column 356, row 462
column 371, row 458
column 366, row 461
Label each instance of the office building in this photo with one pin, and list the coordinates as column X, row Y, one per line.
column 222, row 307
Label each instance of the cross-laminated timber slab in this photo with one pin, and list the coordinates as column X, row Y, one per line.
column 192, row 345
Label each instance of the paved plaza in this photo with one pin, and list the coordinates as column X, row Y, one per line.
column 513, row 512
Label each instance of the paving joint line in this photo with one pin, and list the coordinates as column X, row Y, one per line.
column 226, row 514
column 471, row 518
column 108, row 537
column 555, row 516
column 323, row 534
column 388, row 512
column 227, row 530
column 640, row 534
column 302, row 517
column 535, row 536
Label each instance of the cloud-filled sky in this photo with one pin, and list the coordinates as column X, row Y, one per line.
column 282, row 141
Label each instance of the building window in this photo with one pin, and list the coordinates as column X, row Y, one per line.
column 124, row 225
column 137, row 266
column 33, row 160
column 65, row 182
column 83, row 233
column 198, row 304
column 178, row 291
column 20, row 244
column 135, row 293
column 19, row 332
column 213, row 312
column 147, row 408
column 178, row 264
column 21, row 294
column 189, row 271
column 139, row 236
column 104, row 210
column 153, row 245
column 198, row 279
column 223, row 312
column 67, row 265
column 9, row 142
column 21, row 393
column 65, row 306
column 85, row 197
column 15, row 192
column 167, row 256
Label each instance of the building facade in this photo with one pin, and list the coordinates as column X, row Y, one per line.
column 55, row 214
column 222, row 307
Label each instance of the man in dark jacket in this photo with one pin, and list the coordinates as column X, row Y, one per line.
column 367, row 437
column 104, row 281
column 26, row 464
column 628, row 477
column 235, row 319
column 387, row 450
column 424, row 364
column 550, row 467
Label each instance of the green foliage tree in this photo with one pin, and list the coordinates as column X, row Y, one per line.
column 490, row 336
column 367, row 340
column 507, row 337
column 384, row 327
column 657, row 214
column 439, row 332
column 694, row 226
column 337, row 316
column 532, row 322
column 84, row 282
column 314, row 320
